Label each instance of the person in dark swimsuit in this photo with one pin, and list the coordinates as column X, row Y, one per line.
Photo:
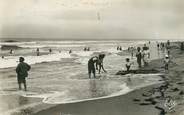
column 139, row 56
column 91, row 66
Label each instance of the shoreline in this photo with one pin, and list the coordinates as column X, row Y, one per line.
column 104, row 106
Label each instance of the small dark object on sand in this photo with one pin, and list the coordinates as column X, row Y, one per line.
column 136, row 100
column 160, row 80
column 145, row 104
column 180, row 83
column 151, row 100
column 175, row 89
column 157, row 97
column 181, row 93
column 154, row 102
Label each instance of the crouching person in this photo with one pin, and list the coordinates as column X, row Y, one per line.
column 128, row 64
column 22, row 72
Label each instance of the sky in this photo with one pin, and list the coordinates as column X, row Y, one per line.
column 92, row 19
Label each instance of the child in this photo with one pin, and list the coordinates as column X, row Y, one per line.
column 166, row 62
column 128, row 64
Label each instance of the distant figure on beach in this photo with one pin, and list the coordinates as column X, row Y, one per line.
column 11, row 51
column 100, row 63
column 132, row 51
column 37, row 51
column 70, row 51
column 139, row 57
column 128, row 64
column 85, row 49
column 182, row 46
column 2, row 57
column 146, row 55
column 158, row 46
column 88, row 49
column 117, row 47
column 162, row 46
column 166, row 62
column 91, row 66
column 50, row 50
column 168, row 47
column 168, row 43
column 22, row 72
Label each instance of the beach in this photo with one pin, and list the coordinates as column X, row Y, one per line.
column 62, row 87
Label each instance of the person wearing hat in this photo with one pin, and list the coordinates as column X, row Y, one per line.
column 22, row 72
column 166, row 62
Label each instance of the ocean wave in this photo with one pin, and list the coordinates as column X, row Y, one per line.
column 12, row 61
column 51, row 46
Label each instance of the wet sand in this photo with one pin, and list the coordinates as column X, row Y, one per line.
column 138, row 102
column 121, row 105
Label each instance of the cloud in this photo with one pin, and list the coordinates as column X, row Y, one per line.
column 92, row 18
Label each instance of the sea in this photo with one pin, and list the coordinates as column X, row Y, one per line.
column 60, row 77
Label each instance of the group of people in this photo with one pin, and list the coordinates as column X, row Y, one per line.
column 143, row 55
column 119, row 48
column 94, row 63
column 165, row 47
column 38, row 51
column 87, row 49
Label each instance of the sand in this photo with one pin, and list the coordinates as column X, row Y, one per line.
column 145, row 101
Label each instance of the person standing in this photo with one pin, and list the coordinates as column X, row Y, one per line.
column 166, row 62
column 182, row 46
column 145, row 55
column 70, row 51
column 50, row 50
column 11, row 51
column 91, row 66
column 37, row 51
column 22, row 72
column 139, row 57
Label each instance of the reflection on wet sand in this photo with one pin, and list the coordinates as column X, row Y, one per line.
column 17, row 105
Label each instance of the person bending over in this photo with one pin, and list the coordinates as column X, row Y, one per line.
column 100, row 63
column 91, row 66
